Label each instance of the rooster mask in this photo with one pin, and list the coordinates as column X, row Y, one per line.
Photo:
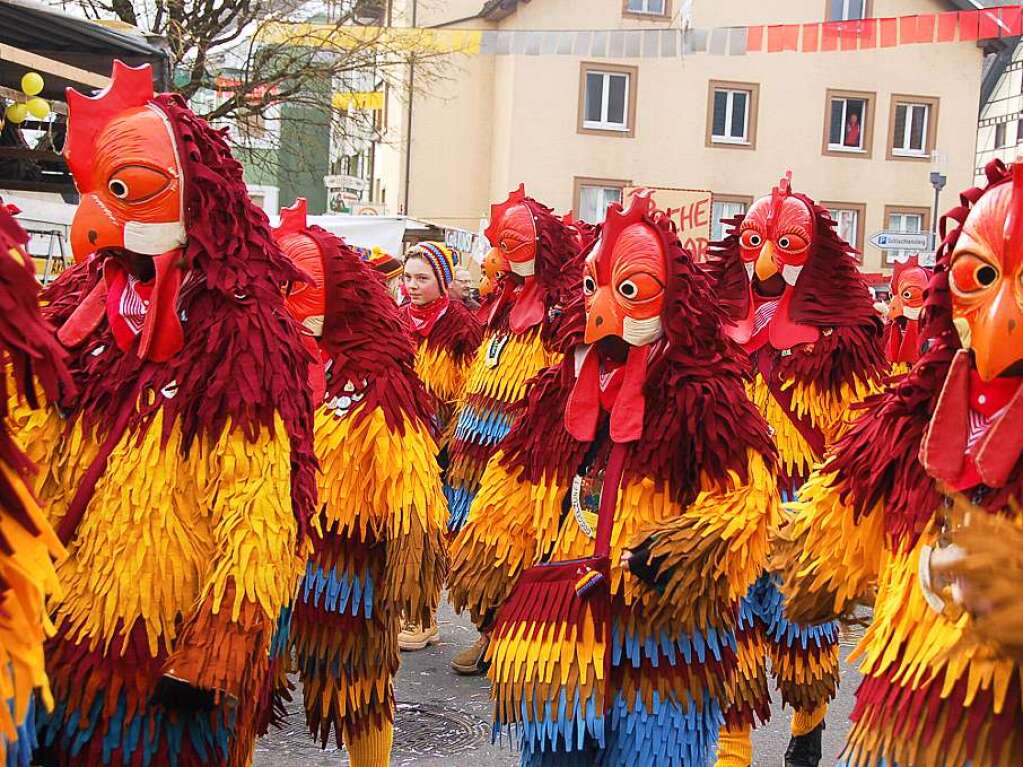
column 624, row 283
column 126, row 159
column 786, row 275
column 515, row 241
column 902, row 337
column 986, row 279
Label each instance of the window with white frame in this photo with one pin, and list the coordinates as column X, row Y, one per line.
column 593, row 201
column 907, row 223
column 846, row 131
column 723, row 211
column 911, row 125
column 606, row 104
column 653, row 7
column 731, row 116
column 999, row 135
column 847, row 222
column 846, row 10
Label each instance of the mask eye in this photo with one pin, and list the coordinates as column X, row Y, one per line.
column 137, row 183
column 793, row 243
column 751, row 240
column 118, row 188
column 589, row 285
column 970, row 274
column 907, row 294
column 640, row 287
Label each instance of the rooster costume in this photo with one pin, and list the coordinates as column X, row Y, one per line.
column 28, row 544
column 646, row 428
column 544, row 269
column 181, row 476
column 379, row 535
column 902, row 331
column 447, row 337
column 934, row 693
column 803, row 314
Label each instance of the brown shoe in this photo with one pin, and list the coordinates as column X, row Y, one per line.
column 469, row 662
column 414, row 637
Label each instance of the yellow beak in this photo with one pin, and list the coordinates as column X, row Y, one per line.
column 765, row 266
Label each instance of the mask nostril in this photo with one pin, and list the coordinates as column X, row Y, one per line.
column 92, row 236
column 599, row 321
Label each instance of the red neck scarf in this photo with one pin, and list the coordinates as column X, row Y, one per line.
column 421, row 319
column 974, row 435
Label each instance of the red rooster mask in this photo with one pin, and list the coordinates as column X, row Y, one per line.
column 126, row 161
column 624, row 282
column 902, row 334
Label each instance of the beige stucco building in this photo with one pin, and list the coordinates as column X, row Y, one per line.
column 858, row 129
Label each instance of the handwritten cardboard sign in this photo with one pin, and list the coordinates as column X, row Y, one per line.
column 690, row 210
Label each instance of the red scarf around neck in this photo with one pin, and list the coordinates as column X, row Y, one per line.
column 421, row 319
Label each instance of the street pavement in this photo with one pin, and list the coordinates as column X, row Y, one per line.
column 443, row 719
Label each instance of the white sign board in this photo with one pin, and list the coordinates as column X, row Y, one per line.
column 459, row 240
column 919, row 241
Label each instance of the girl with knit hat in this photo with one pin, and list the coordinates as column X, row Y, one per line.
column 447, row 336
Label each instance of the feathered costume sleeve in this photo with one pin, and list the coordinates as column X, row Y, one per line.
column 709, row 556
column 828, row 555
column 498, row 541
column 248, row 488
column 383, row 486
column 28, row 546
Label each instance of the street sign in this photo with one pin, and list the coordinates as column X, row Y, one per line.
column 918, row 241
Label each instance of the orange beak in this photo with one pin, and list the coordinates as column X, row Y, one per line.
column 996, row 333
column 765, row 266
column 603, row 318
column 93, row 229
column 895, row 307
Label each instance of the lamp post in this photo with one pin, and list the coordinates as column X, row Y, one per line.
column 938, row 181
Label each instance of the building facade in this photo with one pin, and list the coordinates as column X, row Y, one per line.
column 860, row 130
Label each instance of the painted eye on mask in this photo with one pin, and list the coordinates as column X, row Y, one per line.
column 589, row 285
column 640, row 287
column 751, row 240
column 137, row 183
column 911, row 294
column 970, row 274
column 793, row 243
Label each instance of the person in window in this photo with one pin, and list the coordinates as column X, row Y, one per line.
column 852, row 131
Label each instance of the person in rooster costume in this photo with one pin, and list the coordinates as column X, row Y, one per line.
column 803, row 314
column 28, row 544
column 936, row 692
column 446, row 333
column 644, row 429
column 378, row 538
column 494, row 268
column 180, row 476
column 902, row 331
column 544, row 268
column 447, row 337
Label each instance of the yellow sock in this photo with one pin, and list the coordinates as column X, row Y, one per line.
column 371, row 748
column 735, row 749
column 804, row 721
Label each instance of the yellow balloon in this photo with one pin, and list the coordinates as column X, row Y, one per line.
column 17, row 112
column 32, row 83
column 38, row 107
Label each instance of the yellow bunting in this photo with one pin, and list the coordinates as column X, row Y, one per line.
column 370, row 100
column 310, row 35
